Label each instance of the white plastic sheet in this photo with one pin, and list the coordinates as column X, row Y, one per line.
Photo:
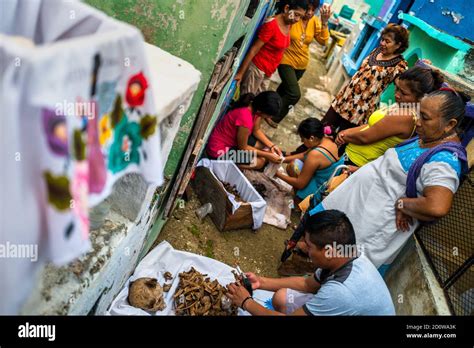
column 227, row 171
column 164, row 258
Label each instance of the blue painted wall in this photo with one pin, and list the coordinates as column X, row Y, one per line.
column 432, row 13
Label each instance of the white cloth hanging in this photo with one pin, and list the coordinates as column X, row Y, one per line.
column 64, row 146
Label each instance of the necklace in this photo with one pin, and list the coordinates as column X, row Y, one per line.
column 303, row 36
column 424, row 143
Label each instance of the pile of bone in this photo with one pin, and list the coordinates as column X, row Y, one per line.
column 196, row 296
column 232, row 189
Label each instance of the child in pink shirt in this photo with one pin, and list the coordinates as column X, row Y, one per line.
column 238, row 137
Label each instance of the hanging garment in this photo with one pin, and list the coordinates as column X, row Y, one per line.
column 77, row 115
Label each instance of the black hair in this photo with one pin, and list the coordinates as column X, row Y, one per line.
column 328, row 227
column 314, row 3
column 244, row 101
column 401, row 35
column 293, row 4
column 311, row 127
column 268, row 102
column 422, row 80
column 453, row 105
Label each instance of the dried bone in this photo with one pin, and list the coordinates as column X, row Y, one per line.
column 232, row 189
column 168, row 276
column 197, row 295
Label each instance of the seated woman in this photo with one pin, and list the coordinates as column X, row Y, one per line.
column 415, row 182
column 238, row 137
column 369, row 142
column 308, row 171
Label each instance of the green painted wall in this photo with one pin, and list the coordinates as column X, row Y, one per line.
column 198, row 31
column 358, row 5
column 423, row 46
column 432, row 49
column 375, row 6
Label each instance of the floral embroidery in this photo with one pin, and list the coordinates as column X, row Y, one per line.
column 80, row 191
column 105, row 130
column 58, row 191
column 147, row 126
column 124, row 149
column 117, row 112
column 97, row 172
column 137, row 85
column 56, row 132
column 79, row 146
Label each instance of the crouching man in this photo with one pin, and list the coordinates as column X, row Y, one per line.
column 342, row 285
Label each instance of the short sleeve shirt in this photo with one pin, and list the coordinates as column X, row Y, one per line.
column 270, row 55
column 297, row 55
column 355, row 289
column 224, row 135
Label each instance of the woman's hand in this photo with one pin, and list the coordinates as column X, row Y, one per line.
column 238, row 77
column 254, row 280
column 325, row 13
column 276, row 150
column 402, row 220
column 237, row 293
column 340, row 139
column 272, row 157
column 352, row 169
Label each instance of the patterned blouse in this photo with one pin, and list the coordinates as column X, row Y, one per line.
column 359, row 98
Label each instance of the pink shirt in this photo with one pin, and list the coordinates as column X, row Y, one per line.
column 224, row 135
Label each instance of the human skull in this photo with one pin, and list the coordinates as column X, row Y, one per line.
column 147, row 294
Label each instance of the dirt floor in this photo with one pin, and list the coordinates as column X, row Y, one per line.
column 259, row 251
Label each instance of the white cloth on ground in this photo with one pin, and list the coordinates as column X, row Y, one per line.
column 165, row 258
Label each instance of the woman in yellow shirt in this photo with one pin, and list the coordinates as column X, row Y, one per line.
column 388, row 128
column 296, row 57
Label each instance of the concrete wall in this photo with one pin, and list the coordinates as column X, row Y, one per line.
column 413, row 285
column 89, row 284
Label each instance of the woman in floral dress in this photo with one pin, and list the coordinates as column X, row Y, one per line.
column 359, row 98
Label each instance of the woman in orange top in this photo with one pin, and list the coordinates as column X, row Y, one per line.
column 296, row 57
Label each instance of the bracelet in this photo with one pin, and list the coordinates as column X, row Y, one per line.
column 243, row 302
